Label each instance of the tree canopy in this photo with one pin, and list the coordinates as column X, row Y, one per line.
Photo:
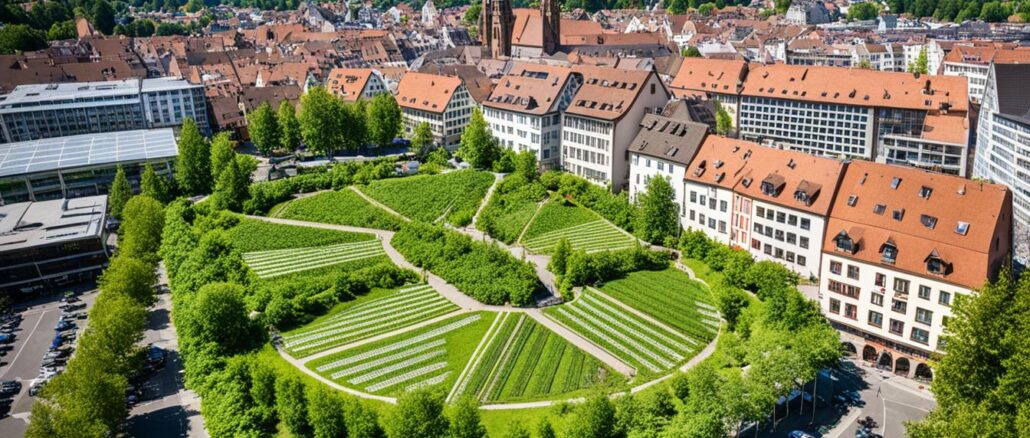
column 478, row 146
column 658, row 217
column 193, row 168
column 264, row 129
column 119, row 194
column 384, row 119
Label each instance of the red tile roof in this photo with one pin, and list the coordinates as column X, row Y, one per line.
column 529, row 88
column 608, row 93
column 426, row 92
column 709, row 75
column 348, row 83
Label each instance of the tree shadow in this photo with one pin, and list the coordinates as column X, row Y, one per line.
column 172, row 421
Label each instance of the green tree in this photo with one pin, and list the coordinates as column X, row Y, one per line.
column 193, row 168
column 384, row 119
column 16, row 38
column 362, row 422
column 87, row 400
column 153, row 185
column 465, row 421
column 119, row 194
column 478, row 146
column 233, row 185
column 865, row 64
column 593, row 419
column 418, row 414
column 140, row 231
column 263, row 126
column 355, row 126
column 116, row 325
column 526, row 166
column 707, row 9
column 691, row 52
column 731, row 302
column 222, row 153
column 130, row 277
column 288, row 125
column 723, row 120
column 471, row 17
column 219, row 315
column 517, row 430
column 560, row 256
column 658, row 214
column 193, row 6
column 922, row 64
column 262, row 390
column 292, row 404
column 422, row 140
column 103, row 17
column 64, row 30
column 995, row 12
column 325, row 412
column 678, row 7
column 321, row 119
column 863, row 11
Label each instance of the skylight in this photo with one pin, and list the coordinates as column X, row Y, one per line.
column 895, row 182
column 928, row 221
column 962, row 228
column 925, row 192
column 879, row 209
column 852, row 200
column 898, row 214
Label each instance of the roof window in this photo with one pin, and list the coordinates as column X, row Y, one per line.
column 895, row 182
column 928, row 221
column 925, row 192
column 889, row 252
column 962, row 228
column 845, row 243
column 879, row 209
column 852, row 200
column 898, row 214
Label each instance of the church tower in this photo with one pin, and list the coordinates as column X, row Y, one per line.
column 550, row 14
column 496, row 26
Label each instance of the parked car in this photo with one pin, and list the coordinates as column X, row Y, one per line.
column 156, row 356
column 6, row 338
column 53, row 362
column 56, row 343
column 36, row 387
column 9, row 388
column 799, row 434
column 69, row 299
column 63, row 352
column 65, row 325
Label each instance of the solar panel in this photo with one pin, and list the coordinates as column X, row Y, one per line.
column 87, row 149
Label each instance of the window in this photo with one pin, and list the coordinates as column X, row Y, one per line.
column 897, row 327
column 944, row 298
column 889, row 253
column 921, row 336
column 693, row 196
column 928, row 221
column 704, row 200
column 895, row 182
column 844, row 289
column 781, row 217
column 851, row 311
column 806, row 224
column 924, row 292
column 934, row 265
column 722, row 206
column 925, row 192
column 876, row 299
column 711, row 223
column 722, row 227
column 879, row 208
column 802, row 260
column 962, row 228
column 852, row 200
column 756, row 245
column 767, row 249
column 803, row 242
column 853, row 272
column 875, row 318
column 924, row 316
column 898, row 214
column 792, row 238
column 835, row 267
column 792, row 220
column 834, row 305
column 881, row 280
column 900, row 286
column 899, row 306
column 779, row 235
column 692, row 215
column 760, row 211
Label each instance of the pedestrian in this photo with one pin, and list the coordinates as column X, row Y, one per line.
column 878, row 389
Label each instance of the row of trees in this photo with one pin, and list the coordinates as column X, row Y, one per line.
column 213, row 167
column 88, row 399
column 326, row 123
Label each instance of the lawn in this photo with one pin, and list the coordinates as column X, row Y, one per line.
column 650, row 348
column 431, row 356
column 523, row 360
column 584, row 230
column 671, row 297
column 276, row 262
column 702, row 271
column 257, row 235
column 456, row 195
column 367, row 318
column 342, row 207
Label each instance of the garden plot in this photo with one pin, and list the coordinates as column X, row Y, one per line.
column 671, row 297
column 454, row 196
column 400, row 309
column 344, row 207
column 597, row 235
column 431, row 356
column 650, row 348
column 273, row 263
column 524, row 360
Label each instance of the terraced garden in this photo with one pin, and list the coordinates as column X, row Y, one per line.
column 650, row 348
column 454, row 196
column 671, row 297
column 584, row 230
column 343, row 207
column 431, row 356
column 257, row 235
column 404, row 307
column 276, row 262
column 521, row 359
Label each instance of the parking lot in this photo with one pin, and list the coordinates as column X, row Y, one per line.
column 32, row 340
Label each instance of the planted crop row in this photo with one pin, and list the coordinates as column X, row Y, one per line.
column 257, row 235
column 593, row 236
column 479, row 376
column 508, row 359
column 427, row 197
column 343, row 207
column 669, row 296
column 273, row 263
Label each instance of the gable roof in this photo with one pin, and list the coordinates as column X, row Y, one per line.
column 607, row 93
column 710, row 75
column 985, row 208
column 426, row 92
column 348, row 83
column 529, row 88
column 667, row 138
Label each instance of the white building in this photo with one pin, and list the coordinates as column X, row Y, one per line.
column 662, row 149
column 351, row 84
column 901, row 244
column 603, row 120
column 441, row 101
column 524, row 110
column 429, row 14
column 1003, row 143
column 708, row 189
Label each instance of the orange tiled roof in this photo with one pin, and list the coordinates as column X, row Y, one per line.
column 348, row 82
column 710, row 75
column 856, row 86
column 426, row 92
column 607, row 93
column 529, row 88
column 948, row 128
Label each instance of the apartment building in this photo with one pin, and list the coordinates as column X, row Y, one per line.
column 351, row 84
column 525, row 108
column 663, row 149
column 603, row 119
column 772, row 202
column 715, row 79
column 442, row 101
column 1003, row 143
column 39, row 111
column 901, row 245
column 899, row 118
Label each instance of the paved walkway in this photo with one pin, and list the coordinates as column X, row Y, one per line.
column 378, row 204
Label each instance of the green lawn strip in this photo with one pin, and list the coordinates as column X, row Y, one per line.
column 507, row 363
column 499, row 422
column 481, row 374
column 702, row 271
column 431, row 311
column 549, row 361
column 557, row 215
column 459, row 344
column 258, row 235
column 668, row 296
column 343, row 207
column 426, row 197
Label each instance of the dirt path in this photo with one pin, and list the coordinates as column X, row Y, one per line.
column 378, row 204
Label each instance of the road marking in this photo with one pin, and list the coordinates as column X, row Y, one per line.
column 25, row 342
column 907, row 405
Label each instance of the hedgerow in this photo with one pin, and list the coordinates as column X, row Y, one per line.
column 486, row 272
column 266, row 194
column 614, row 207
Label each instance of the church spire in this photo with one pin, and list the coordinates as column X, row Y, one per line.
column 495, row 28
column 550, row 14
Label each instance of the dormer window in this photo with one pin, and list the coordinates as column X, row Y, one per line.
column 879, row 209
column 895, row 182
column 928, row 221
column 852, row 200
column 925, row 192
column 962, row 228
column 773, row 184
column 845, row 243
column 898, row 215
column 935, row 264
column 888, row 252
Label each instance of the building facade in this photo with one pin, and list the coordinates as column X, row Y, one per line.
column 34, row 112
column 663, row 149
column 441, row 101
column 351, row 84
